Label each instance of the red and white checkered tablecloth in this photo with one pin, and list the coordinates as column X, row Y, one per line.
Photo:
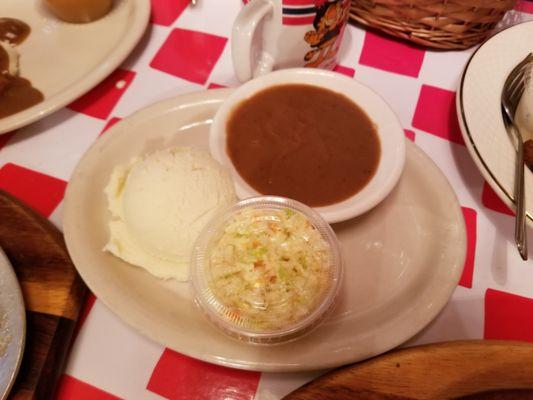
column 187, row 49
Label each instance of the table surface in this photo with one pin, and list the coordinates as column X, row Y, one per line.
column 187, row 49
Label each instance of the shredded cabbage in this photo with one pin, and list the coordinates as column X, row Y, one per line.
column 269, row 268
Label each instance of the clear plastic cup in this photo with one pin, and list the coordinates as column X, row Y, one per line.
column 267, row 270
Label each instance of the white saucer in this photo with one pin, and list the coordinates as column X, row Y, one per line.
column 387, row 126
column 12, row 326
column 64, row 60
column 403, row 258
column 479, row 111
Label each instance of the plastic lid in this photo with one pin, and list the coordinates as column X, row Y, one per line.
column 266, row 270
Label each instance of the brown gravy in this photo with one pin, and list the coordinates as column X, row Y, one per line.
column 16, row 93
column 13, row 30
column 303, row 142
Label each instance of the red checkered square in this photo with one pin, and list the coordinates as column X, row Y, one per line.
column 5, row 138
column 508, row 316
column 345, row 70
column 213, row 85
column 391, row 55
column 189, row 55
column 70, row 388
column 409, row 134
column 100, row 101
column 165, row 12
column 525, row 6
column 41, row 192
column 435, row 113
column 490, row 199
column 470, row 216
column 109, row 124
column 177, row 377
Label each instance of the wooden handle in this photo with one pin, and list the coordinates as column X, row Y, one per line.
column 476, row 369
column 53, row 293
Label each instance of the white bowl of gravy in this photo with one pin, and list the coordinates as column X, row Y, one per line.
column 311, row 135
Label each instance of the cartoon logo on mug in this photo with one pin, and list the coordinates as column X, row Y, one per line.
column 329, row 23
column 328, row 18
column 295, row 33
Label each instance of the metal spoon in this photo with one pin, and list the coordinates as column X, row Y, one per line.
column 511, row 94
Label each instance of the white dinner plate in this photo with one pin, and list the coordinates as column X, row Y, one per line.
column 403, row 258
column 12, row 326
column 65, row 60
column 480, row 116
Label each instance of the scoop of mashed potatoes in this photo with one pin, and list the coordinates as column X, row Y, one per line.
column 11, row 63
column 159, row 203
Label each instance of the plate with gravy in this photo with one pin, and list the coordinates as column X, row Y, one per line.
column 139, row 197
column 54, row 51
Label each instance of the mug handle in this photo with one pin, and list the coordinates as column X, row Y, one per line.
column 241, row 40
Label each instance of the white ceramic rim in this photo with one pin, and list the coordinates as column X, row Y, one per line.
column 11, row 297
column 488, row 175
column 415, row 319
column 389, row 130
column 93, row 78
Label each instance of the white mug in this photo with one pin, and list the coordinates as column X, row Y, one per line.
column 275, row 34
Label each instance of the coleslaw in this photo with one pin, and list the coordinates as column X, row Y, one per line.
column 269, row 268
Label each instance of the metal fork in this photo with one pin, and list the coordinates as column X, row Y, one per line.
column 512, row 92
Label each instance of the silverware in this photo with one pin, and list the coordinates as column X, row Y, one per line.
column 193, row 3
column 511, row 94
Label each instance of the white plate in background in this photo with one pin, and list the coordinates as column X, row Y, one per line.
column 63, row 60
column 12, row 326
column 480, row 116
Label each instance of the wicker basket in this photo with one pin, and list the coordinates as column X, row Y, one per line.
column 443, row 24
